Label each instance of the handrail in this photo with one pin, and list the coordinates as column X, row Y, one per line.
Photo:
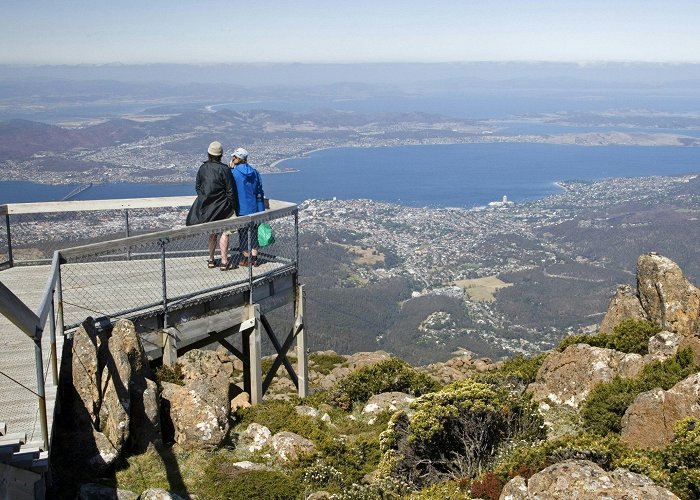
column 91, row 205
column 277, row 209
column 18, row 313
column 45, row 305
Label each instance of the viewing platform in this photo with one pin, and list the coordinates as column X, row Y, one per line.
column 65, row 262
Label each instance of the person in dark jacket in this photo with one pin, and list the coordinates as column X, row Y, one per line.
column 216, row 200
column 251, row 199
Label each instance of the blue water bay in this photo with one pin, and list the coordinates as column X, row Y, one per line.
column 461, row 175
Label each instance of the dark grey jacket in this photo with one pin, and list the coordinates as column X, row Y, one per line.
column 216, row 194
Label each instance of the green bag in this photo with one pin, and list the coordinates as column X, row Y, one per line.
column 265, row 236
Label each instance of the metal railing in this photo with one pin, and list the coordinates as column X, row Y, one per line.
column 149, row 274
column 33, row 231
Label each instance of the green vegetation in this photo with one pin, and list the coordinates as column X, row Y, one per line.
column 172, row 374
column 631, row 336
column 517, row 371
column 465, row 440
column 225, row 481
column 324, row 363
column 603, row 410
column 456, row 429
column 386, row 376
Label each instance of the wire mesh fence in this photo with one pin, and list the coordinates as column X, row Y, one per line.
column 4, row 246
column 160, row 272
column 18, row 384
column 36, row 236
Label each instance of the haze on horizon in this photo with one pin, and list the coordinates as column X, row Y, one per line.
column 78, row 32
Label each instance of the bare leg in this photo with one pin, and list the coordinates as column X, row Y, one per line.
column 223, row 246
column 212, row 245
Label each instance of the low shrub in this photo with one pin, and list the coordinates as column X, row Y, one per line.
column 454, row 432
column 386, row 489
column 630, row 336
column 489, row 486
column 525, row 458
column 682, row 459
column 324, row 363
column 602, row 411
column 172, row 374
column 440, row 491
column 518, row 371
column 278, row 416
column 225, row 481
column 386, row 376
column 354, row 457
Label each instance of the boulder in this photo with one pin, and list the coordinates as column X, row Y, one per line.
column 86, row 372
column 145, row 426
column 158, row 494
column 114, row 400
column 255, row 437
column 248, row 465
column 240, row 401
column 567, row 377
column 93, row 491
column 306, row 411
column 115, row 409
column 624, row 305
column 362, row 359
column 667, row 297
column 199, row 410
column 515, row 489
column 290, row 447
column 100, row 453
column 583, row 480
column 660, row 410
column 664, row 344
column 387, row 401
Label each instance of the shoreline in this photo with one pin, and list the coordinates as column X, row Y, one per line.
column 301, row 155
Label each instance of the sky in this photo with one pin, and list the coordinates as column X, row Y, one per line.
column 336, row 31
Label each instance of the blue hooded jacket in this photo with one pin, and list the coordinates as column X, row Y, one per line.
column 251, row 198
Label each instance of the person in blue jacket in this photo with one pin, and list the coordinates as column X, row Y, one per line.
column 251, row 199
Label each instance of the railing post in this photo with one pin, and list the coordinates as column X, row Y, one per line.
column 302, row 354
column 9, row 240
column 296, row 237
column 252, row 338
column 40, row 390
column 162, row 243
column 59, row 299
column 52, row 340
column 251, row 226
column 128, row 232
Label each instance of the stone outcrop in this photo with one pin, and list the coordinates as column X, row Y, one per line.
column 290, row 447
column 663, row 296
column 660, row 410
column 567, row 377
column 667, row 297
column 255, row 437
column 458, row 368
column 664, row 344
column 158, row 494
column 94, row 491
column 583, row 480
column 387, row 401
column 199, row 410
column 624, row 305
column 115, row 402
column 361, row 359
